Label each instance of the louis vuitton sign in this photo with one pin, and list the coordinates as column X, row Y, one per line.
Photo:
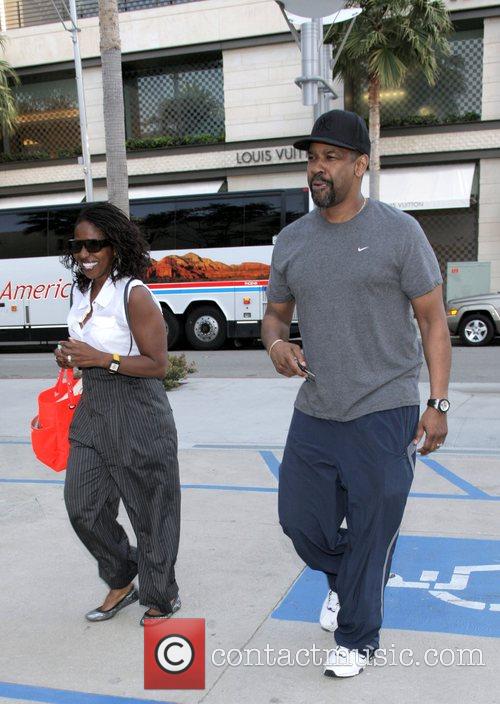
column 274, row 155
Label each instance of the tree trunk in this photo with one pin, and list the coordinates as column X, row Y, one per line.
column 114, row 114
column 374, row 106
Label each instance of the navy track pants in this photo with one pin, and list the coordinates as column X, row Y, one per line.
column 361, row 471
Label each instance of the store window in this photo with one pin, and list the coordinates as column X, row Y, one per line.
column 180, row 101
column 48, row 121
column 455, row 97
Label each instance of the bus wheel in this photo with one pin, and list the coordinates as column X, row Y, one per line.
column 173, row 327
column 206, row 328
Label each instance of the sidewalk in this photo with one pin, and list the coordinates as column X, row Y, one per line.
column 238, row 571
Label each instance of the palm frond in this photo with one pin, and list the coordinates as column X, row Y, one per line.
column 8, row 78
column 392, row 36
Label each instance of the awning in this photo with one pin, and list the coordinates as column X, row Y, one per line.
column 42, row 200
column 154, row 191
column 425, row 187
column 175, row 189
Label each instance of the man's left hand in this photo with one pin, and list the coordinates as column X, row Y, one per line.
column 435, row 426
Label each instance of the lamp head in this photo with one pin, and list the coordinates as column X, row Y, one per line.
column 313, row 8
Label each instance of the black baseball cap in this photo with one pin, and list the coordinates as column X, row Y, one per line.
column 340, row 128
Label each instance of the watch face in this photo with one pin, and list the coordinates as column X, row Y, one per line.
column 114, row 366
column 444, row 405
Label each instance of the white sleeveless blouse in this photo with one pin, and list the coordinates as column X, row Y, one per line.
column 107, row 329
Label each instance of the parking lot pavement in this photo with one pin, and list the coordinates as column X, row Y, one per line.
column 240, row 573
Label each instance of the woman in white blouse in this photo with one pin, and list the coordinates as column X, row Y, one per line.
column 123, row 438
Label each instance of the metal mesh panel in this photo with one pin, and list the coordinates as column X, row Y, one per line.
column 458, row 89
column 452, row 233
column 184, row 100
column 48, row 123
column 26, row 13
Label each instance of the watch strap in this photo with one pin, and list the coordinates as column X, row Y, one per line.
column 114, row 364
column 440, row 404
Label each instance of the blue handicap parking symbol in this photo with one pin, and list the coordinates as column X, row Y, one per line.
column 446, row 585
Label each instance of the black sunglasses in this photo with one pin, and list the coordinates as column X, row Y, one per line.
column 92, row 246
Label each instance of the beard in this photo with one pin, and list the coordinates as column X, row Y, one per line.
column 323, row 199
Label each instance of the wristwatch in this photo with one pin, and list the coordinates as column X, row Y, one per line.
column 440, row 404
column 114, row 366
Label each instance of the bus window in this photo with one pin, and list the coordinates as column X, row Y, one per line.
column 156, row 221
column 296, row 205
column 61, row 224
column 262, row 219
column 23, row 234
column 209, row 223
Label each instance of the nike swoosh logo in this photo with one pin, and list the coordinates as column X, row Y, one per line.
column 361, row 249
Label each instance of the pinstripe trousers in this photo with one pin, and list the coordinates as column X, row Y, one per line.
column 123, row 445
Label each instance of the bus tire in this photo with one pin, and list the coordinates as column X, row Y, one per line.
column 206, row 328
column 173, row 327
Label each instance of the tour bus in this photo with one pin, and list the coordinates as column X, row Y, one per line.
column 210, row 264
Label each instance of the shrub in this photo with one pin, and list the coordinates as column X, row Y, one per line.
column 173, row 141
column 427, row 120
column 178, row 369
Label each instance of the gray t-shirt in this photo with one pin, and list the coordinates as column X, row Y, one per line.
column 352, row 283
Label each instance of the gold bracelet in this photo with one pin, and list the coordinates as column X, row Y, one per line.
column 274, row 343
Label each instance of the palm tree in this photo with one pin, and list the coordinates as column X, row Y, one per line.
column 114, row 116
column 389, row 38
column 8, row 110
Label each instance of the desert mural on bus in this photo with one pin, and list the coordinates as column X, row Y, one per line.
column 193, row 267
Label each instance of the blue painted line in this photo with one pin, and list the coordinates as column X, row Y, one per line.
column 230, row 487
column 217, row 487
column 32, row 481
column 237, row 289
column 30, row 693
column 460, row 497
column 272, row 462
column 226, row 446
column 454, row 479
column 15, row 442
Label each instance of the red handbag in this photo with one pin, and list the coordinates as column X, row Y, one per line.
column 50, row 428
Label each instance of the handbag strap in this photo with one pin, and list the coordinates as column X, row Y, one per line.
column 127, row 316
column 65, row 382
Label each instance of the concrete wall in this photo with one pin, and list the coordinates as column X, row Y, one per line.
column 144, row 30
column 262, row 182
column 455, row 5
column 92, row 82
column 260, row 96
column 491, row 70
column 489, row 218
column 198, row 160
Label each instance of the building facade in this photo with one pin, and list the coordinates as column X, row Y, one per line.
column 211, row 105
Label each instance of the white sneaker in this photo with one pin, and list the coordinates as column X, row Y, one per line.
column 329, row 612
column 342, row 662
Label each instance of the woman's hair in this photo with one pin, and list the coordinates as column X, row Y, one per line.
column 130, row 246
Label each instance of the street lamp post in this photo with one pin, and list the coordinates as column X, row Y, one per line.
column 85, row 159
column 317, row 64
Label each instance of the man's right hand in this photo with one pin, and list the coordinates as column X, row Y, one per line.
column 284, row 355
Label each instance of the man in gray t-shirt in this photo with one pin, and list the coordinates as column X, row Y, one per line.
column 358, row 271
